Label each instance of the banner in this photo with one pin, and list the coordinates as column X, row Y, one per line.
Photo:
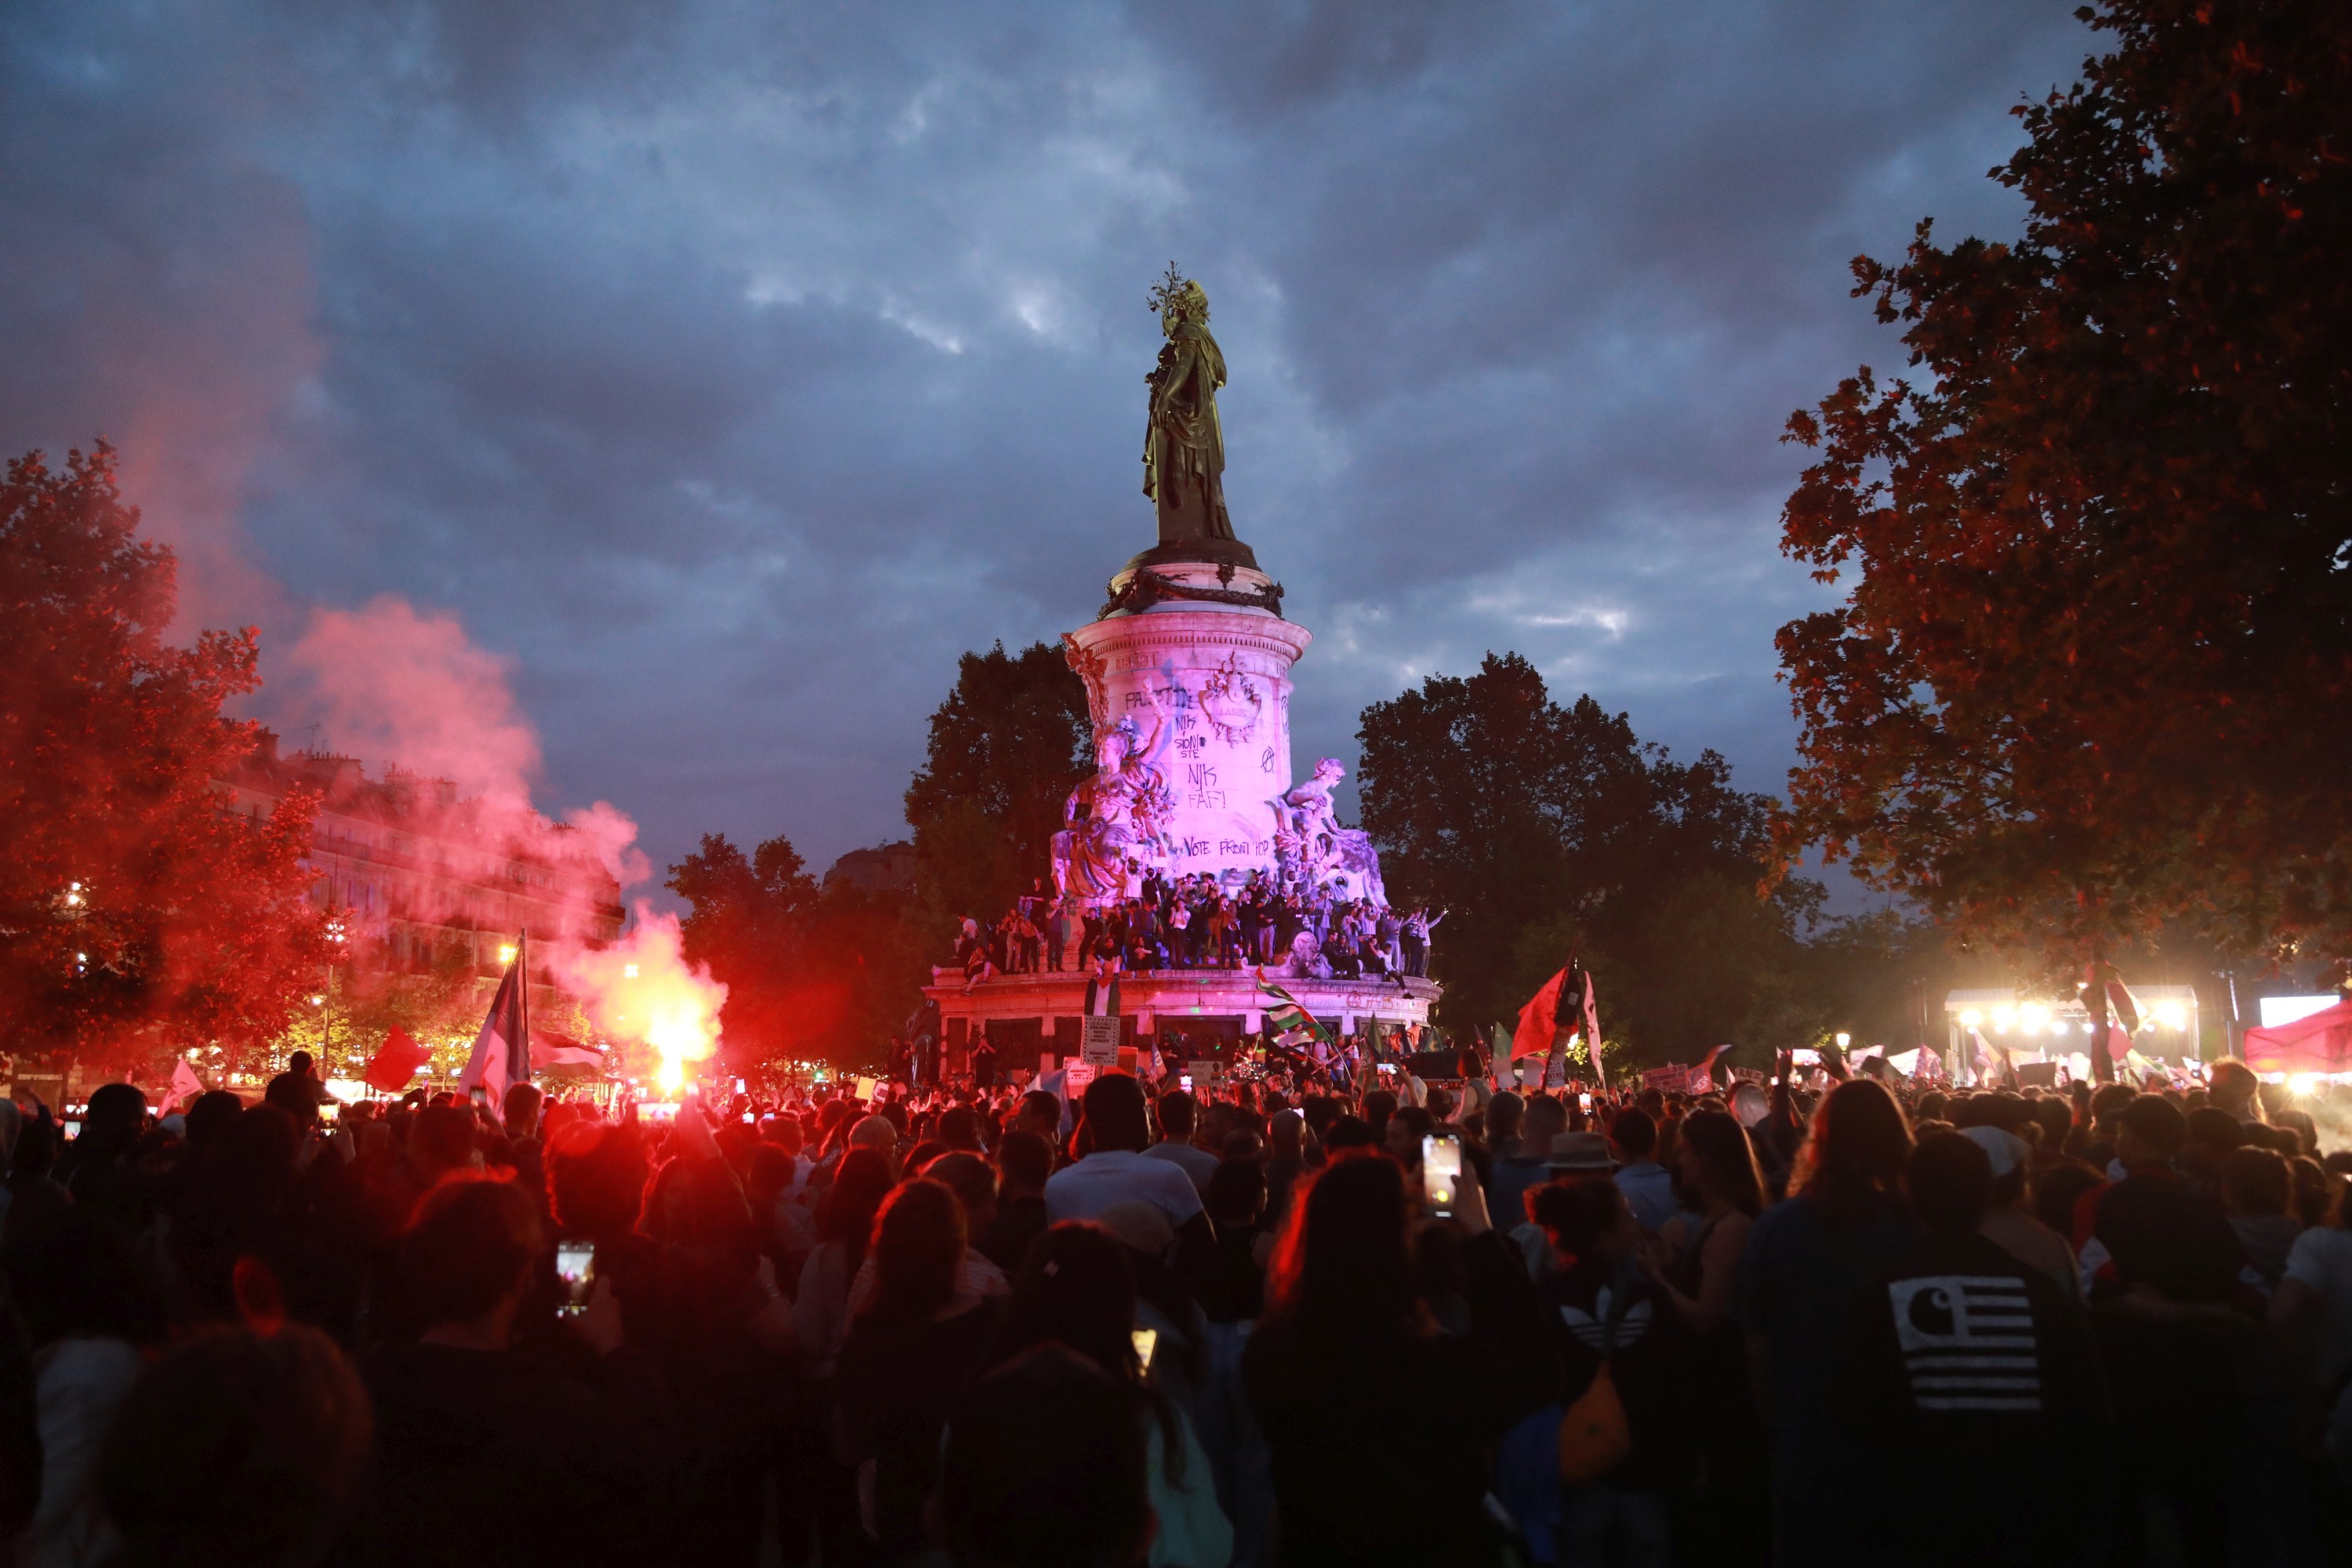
column 1665, row 1078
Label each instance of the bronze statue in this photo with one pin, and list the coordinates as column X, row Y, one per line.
column 1185, row 446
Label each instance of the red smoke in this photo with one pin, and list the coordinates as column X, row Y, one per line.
column 397, row 687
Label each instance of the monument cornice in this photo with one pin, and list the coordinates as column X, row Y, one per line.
column 1196, row 628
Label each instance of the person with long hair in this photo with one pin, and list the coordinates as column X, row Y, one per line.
column 844, row 1225
column 913, row 1348
column 1844, row 1223
column 1695, row 1269
column 818, row 1492
column 1076, row 1288
column 1363, row 1398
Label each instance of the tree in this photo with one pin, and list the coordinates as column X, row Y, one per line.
column 1006, row 747
column 2091, row 666
column 828, row 974
column 1539, row 827
column 137, row 914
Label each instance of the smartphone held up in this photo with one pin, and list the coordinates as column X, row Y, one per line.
column 1441, row 1173
column 575, row 1265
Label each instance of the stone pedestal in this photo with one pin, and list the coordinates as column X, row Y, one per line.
column 1195, row 656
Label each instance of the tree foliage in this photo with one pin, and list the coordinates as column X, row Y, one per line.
column 138, row 915
column 811, row 973
column 2092, row 668
column 1007, row 746
column 1539, row 827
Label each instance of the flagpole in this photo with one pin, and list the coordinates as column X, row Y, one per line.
column 522, row 997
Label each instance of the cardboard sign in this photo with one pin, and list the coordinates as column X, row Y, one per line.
column 1076, row 1077
column 866, row 1088
column 1099, row 1041
column 1204, row 1074
column 1665, row 1078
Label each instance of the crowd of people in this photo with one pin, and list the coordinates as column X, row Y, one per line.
column 1862, row 1321
column 1199, row 921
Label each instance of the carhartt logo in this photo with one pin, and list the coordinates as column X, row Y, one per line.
column 1968, row 1342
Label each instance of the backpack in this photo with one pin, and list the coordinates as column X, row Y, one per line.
column 1594, row 1436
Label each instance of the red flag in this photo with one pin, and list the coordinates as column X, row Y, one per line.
column 395, row 1063
column 1538, row 1021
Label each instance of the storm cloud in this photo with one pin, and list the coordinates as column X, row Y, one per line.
column 729, row 368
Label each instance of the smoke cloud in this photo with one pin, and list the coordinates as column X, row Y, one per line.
column 642, row 990
column 399, row 686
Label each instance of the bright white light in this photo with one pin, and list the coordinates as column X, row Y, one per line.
column 505, row 953
column 1971, row 1019
column 2302, row 1083
column 1844, row 1040
column 2004, row 1018
column 2033, row 1016
column 2277, row 1010
column 2172, row 1014
column 628, row 972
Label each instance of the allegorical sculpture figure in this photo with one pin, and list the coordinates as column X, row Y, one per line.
column 1117, row 820
column 1185, row 446
column 1311, row 849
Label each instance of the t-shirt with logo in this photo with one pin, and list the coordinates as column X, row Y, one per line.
column 1964, row 1370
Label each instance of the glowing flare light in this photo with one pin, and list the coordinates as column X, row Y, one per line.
column 641, row 988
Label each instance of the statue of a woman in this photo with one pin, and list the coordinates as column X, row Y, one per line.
column 1185, row 446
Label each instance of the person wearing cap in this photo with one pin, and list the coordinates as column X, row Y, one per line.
column 2010, row 1224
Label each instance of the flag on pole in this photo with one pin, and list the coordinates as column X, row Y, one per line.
column 1287, row 1022
column 501, row 1055
column 395, row 1062
column 1539, row 1020
column 1563, row 1001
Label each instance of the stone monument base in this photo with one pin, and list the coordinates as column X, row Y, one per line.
column 1185, row 1010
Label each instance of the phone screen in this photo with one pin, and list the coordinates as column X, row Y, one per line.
column 1441, row 1171
column 1184, row 1080
column 1584, row 1100
column 1145, row 1341
column 575, row 1265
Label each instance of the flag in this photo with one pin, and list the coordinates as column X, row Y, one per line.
column 186, row 1087
column 2107, row 996
column 1702, row 1077
column 1102, row 997
column 501, row 1055
column 1539, row 1020
column 551, row 1051
column 395, row 1062
column 1287, row 1021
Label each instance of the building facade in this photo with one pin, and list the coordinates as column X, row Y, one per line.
column 408, row 869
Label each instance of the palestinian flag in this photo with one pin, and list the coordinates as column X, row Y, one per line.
column 1287, row 1022
column 501, row 1055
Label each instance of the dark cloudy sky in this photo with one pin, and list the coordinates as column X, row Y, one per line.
column 732, row 367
